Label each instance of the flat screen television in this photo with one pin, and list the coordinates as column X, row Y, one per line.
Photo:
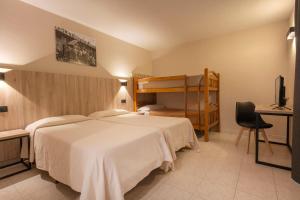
column 280, row 99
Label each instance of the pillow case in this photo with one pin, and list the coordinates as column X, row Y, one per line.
column 108, row 113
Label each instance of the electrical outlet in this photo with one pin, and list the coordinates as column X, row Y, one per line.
column 3, row 109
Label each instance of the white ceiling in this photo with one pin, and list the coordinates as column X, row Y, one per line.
column 161, row 24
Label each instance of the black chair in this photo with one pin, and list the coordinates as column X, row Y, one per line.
column 246, row 117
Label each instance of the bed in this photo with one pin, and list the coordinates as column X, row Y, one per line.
column 102, row 160
column 196, row 97
column 178, row 132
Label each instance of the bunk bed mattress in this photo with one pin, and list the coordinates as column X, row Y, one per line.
column 101, row 160
column 178, row 132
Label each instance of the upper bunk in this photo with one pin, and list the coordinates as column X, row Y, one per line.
column 209, row 81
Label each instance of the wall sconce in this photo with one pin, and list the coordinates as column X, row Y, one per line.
column 291, row 33
column 123, row 82
column 2, row 76
column 123, row 89
column 2, row 73
column 3, row 109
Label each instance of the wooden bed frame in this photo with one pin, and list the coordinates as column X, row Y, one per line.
column 202, row 119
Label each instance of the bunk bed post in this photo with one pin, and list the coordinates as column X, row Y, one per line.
column 135, row 86
column 218, row 104
column 206, row 104
column 199, row 105
column 185, row 96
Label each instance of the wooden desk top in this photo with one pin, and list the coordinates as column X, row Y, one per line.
column 5, row 135
column 263, row 109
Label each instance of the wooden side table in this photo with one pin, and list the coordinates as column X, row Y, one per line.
column 12, row 135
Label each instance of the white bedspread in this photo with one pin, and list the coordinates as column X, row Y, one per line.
column 101, row 160
column 178, row 132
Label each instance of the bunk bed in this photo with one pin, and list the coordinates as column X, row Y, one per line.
column 200, row 94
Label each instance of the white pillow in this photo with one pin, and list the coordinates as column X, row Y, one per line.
column 108, row 113
column 55, row 121
column 151, row 107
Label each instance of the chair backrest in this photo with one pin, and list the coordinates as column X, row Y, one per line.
column 245, row 112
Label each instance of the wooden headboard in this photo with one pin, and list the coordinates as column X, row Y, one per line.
column 34, row 95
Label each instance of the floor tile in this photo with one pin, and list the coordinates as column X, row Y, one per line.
column 214, row 191
column 287, row 188
column 246, row 196
column 169, row 192
column 147, row 186
column 10, row 193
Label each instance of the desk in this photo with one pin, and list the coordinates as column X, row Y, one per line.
column 269, row 110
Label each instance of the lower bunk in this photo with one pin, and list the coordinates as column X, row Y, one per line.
column 197, row 119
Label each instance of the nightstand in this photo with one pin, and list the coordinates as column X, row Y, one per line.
column 12, row 135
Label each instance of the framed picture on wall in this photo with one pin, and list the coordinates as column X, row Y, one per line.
column 75, row 48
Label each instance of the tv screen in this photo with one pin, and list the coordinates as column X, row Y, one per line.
column 279, row 91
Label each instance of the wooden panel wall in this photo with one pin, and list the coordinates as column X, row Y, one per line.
column 34, row 95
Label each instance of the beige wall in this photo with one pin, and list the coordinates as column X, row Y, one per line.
column 248, row 62
column 291, row 69
column 292, row 60
column 27, row 42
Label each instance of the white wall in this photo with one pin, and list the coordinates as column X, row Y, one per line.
column 248, row 61
column 292, row 60
column 27, row 42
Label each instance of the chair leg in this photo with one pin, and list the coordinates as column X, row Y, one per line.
column 267, row 140
column 239, row 136
column 249, row 139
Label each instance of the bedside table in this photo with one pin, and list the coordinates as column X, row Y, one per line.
column 12, row 135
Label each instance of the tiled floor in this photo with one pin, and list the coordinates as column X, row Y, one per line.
column 221, row 171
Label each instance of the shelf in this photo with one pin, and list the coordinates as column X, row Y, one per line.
column 161, row 90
